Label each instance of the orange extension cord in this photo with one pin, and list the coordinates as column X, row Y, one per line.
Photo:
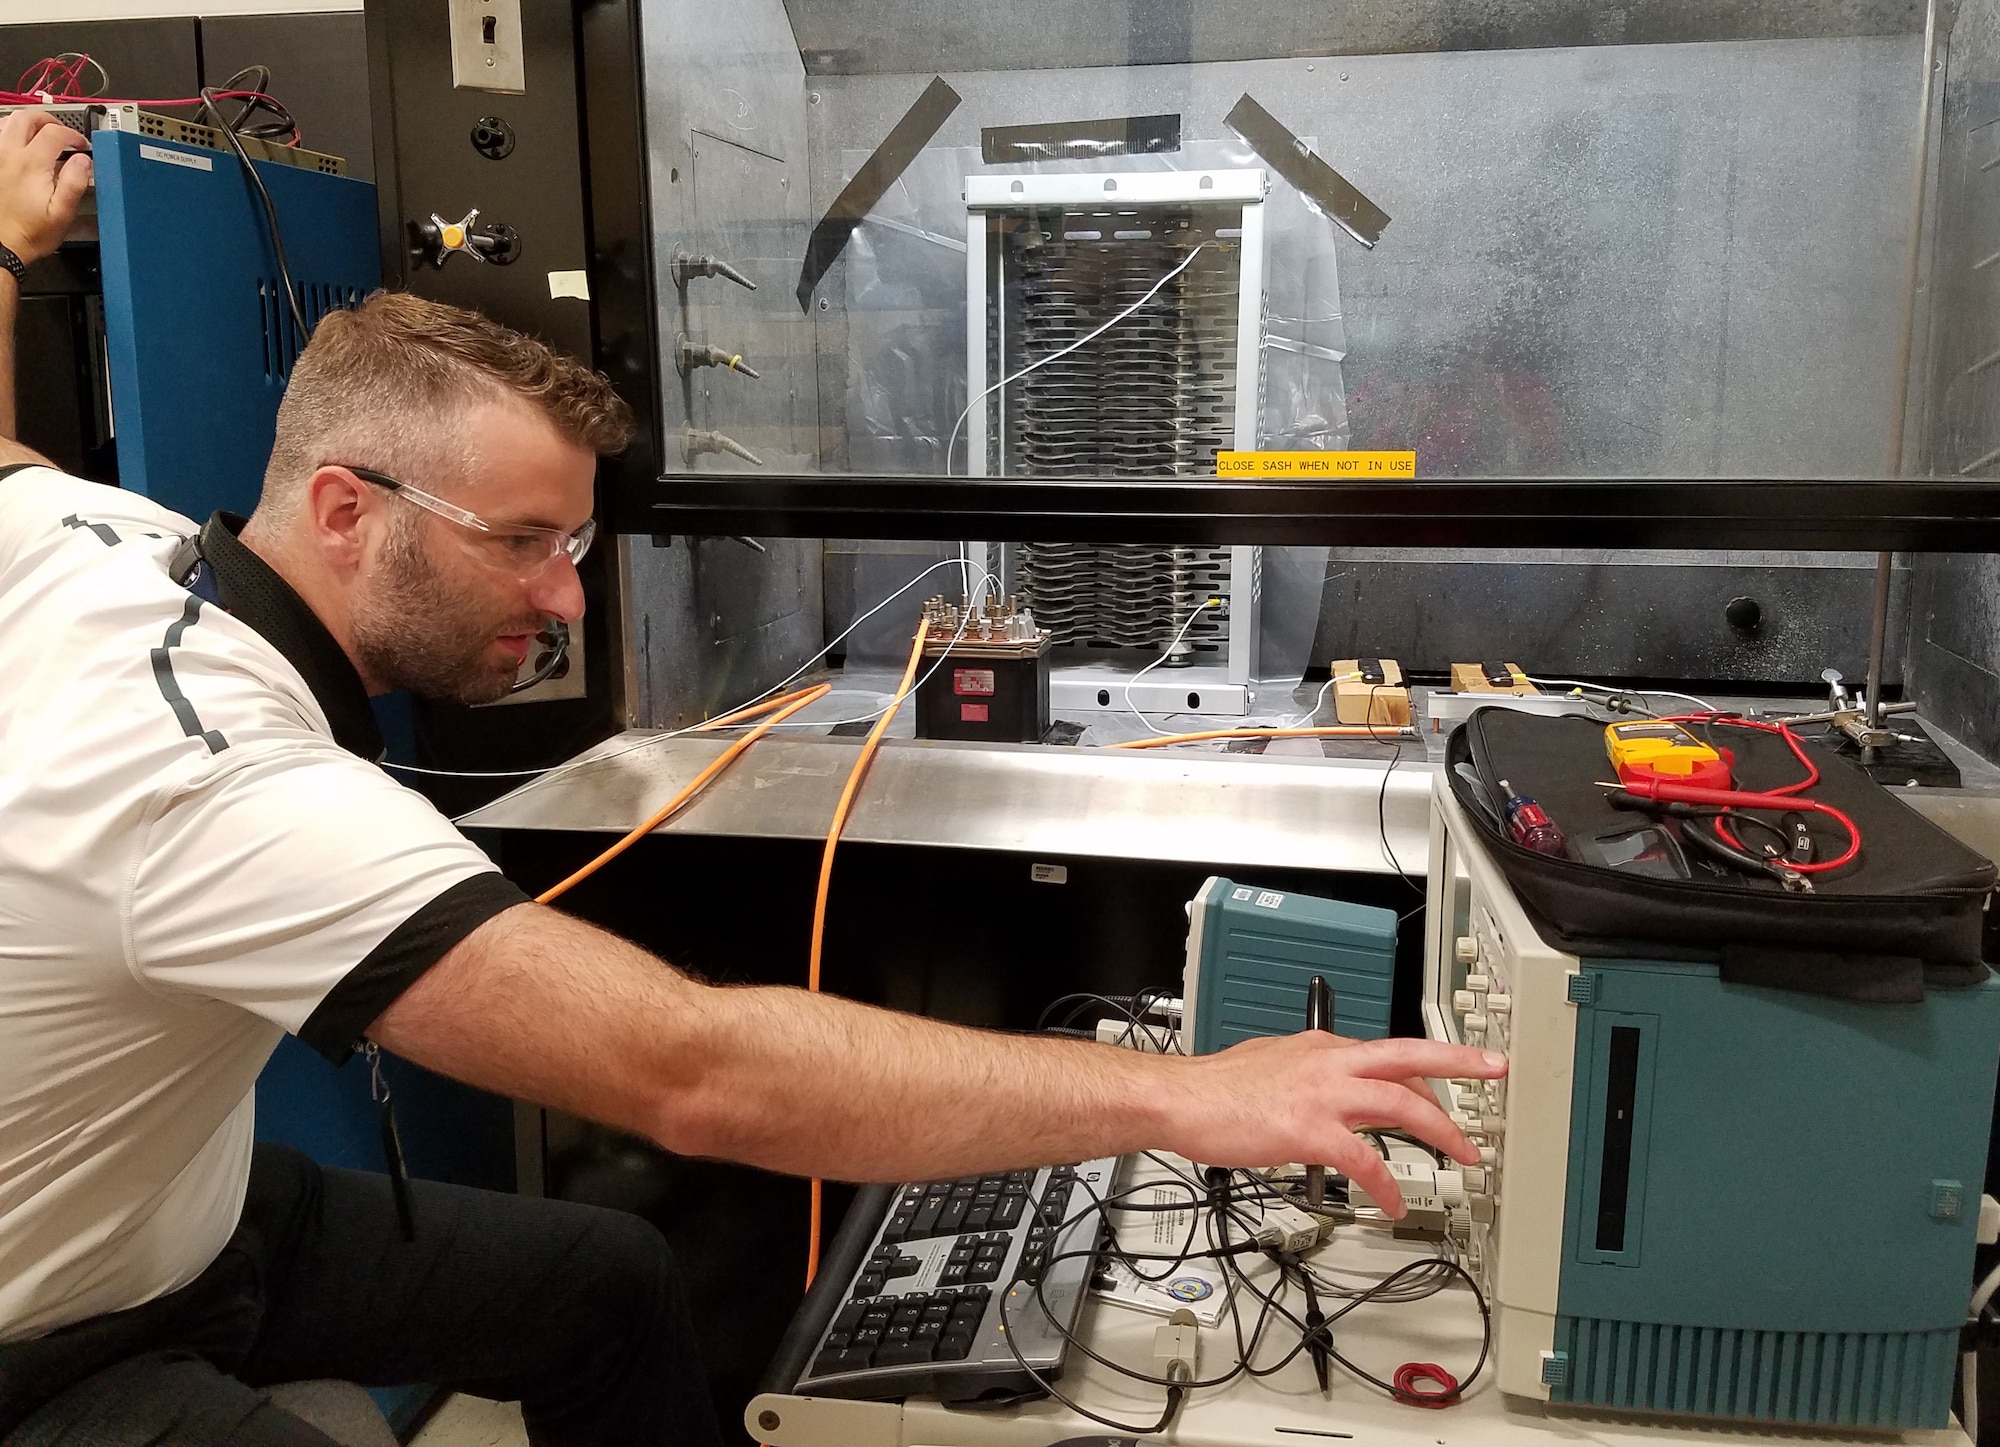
column 780, row 709
column 840, row 813
column 1333, row 731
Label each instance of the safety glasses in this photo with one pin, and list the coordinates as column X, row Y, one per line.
column 523, row 548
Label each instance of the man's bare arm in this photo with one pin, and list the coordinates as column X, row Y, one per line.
column 43, row 174
column 537, row 1005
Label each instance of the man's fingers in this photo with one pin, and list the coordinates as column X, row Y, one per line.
column 1384, row 1103
column 15, row 130
column 1359, row 1162
column 71, row 182
column 46, row 145
column 1397, row 1058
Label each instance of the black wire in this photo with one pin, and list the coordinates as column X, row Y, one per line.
column 1382, row 824
column 281, row 129
column 270, row 211
column 1226, row 1254
column 1176, row 1391
column 1384, row 1134
column 1132, row 1007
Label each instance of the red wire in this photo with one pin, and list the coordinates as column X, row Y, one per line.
column 50, row 80
column 1410, row 1373
column 1777, row 800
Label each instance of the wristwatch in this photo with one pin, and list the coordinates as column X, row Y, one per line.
column 13, row 263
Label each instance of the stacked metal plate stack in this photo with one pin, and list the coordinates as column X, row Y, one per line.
column 1152, row 396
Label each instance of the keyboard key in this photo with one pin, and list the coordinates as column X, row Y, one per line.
column 925, row 1223
column 869, row 1284
column 955, row 1273
column 952, row 1217
column 954, row 1347
column 848, row 1317
column 905, row 1266
column 936, row 1314
column 831, row 1362
column 977, row 1293
column 980, row 1214
column 876, row 1316
column 903, row 1354
column 1007, row 1214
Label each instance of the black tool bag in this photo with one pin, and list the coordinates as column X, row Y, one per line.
column 1907, row 912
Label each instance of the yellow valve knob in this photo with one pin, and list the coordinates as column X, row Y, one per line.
column 454, row 237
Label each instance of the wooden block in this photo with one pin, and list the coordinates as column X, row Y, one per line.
column 1471, row 678
column 1377, row 705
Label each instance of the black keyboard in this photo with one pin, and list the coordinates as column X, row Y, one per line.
column 921, row 1312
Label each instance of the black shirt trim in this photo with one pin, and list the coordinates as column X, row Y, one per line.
column 411, row 948
column 170, row 687
column 252, row 591
column 13, row 467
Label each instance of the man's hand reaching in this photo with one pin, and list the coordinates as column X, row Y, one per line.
column 44, row 171
column 1304, row 1098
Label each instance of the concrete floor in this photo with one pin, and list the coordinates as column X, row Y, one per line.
column 473, row 1422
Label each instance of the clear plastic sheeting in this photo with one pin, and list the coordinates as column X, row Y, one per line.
column 904, row 271
column 905, row 299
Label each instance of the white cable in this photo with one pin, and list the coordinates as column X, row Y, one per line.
column 535, row 775
column 1208, row 603
column 1703, row 704
column 1055, row 356
column 1319, row 703
column 1985, row 1292
column 963, row 623
column 807, row 665
column 1968, row 1394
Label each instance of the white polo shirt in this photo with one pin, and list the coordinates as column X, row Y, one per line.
column 198, row 854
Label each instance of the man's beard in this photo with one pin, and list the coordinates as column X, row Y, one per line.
column 414, row 630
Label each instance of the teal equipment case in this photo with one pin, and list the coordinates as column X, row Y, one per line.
column 1251, row 953
column 1772, row 1198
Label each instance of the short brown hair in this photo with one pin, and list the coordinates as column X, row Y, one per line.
column 384, row 386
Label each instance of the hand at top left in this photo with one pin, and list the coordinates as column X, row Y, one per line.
column 44, row 170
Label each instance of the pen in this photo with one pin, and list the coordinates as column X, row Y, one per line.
column 1319, row 1016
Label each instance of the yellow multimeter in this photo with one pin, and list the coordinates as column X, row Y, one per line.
column 1650, row 749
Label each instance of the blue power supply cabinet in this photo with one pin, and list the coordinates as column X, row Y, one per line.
column 1252, row 952
column 199, row 341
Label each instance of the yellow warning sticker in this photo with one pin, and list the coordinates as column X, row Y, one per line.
column 1328, row 466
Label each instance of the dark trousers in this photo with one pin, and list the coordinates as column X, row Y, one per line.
column 574, row 1311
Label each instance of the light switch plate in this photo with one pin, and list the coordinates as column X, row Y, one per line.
column 486, row 46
